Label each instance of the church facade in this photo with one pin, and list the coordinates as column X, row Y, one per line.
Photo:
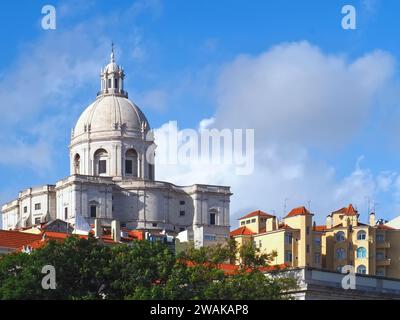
column 112, row 177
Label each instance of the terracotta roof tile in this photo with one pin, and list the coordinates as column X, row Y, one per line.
column 285, row 226
column 299, row 211
column 320, row 228
column 231, row 269
column 257, row 213
column 16, row 239
column 349, row 211
column 242, row 231
column 385, row 227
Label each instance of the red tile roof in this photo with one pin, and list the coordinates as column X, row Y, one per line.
column 242, row 231
column 257, row 213
column 349, row 211
column 385, row 227
column 16, row 239
column 285, row 226
column 320, row 228
column 358, row 224
column 56, row 235
column 231, row 269
column 47, row 236
column 299, row 211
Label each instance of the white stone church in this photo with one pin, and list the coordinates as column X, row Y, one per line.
column 111, row 178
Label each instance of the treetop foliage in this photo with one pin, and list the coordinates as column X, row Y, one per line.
column 88, row 269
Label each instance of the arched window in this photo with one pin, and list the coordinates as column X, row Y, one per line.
column 100, row 162
column 340, row 253
column 77, row 164
column 361, row 235
column 361, row 253
column 361, row 269
column 340, row 236
column 131, row 163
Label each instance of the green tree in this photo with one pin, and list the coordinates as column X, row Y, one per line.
column 140, row 270
column 251, row 257
column 198, row 275
column 79, row 266
column 89, row 269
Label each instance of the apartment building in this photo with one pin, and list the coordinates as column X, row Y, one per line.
column 372, row 249
column 293, row 239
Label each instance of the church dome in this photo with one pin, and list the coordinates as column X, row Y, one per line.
column 111, row 112
column 112, row 137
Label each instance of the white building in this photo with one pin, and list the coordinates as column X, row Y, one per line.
column 112, row 176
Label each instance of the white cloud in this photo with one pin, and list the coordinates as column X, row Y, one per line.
column 294, row 93
column 40, row 89
column 153, row 99
column 36, row 156
column 297, row 98
column 284, row 173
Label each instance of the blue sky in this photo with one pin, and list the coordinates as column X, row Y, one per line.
column 189, row 61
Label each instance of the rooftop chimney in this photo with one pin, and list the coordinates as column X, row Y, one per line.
column 271, row 224
column 372, row 219
column 116, row 231
column 328, row 221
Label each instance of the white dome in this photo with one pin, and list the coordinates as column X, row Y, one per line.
column 111, row 67
column 111, row 112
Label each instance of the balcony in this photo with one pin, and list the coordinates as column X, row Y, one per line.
column 383, row 245
column 383, row 262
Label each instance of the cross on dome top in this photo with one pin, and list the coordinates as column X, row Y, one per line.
column 112, row 52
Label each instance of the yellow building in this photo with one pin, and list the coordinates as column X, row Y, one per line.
column 372, row 249
column 293, row 239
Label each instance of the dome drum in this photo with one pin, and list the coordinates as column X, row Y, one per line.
column 117, row 127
